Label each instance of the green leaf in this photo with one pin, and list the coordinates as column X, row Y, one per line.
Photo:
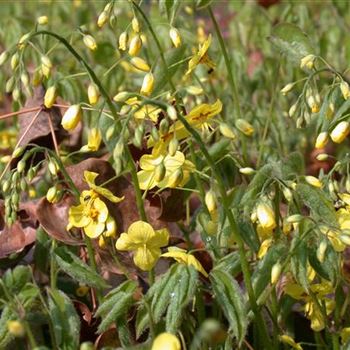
column 77, row 269
column 291, row 41
column 230, row 263
column 320, row 206
column 65, row 320
column 299, row 264
column 116, row 304
column 181, row 295
column 262, row 274
column 169, row 7
column 17, row 278
column 230, row 297
column 142, row 320
column 293, row 165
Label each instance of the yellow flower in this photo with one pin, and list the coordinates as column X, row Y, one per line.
column 307, row 61
column 152, row 174
column 92, row 213
column 198, row 117
column 201, row 56
column 145, row 242
column 266, row 216
column 166, row 341
column 94, row 141
column 182, row 257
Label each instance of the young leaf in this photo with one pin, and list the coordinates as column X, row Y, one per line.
column 64, row 319
column 77, row 269
column 230, row 297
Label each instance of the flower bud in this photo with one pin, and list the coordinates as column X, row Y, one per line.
column 21, row 166
column 71, row 117
column 321, row 251
column 123, row 41
column 287, row 193
column 16, row 94
column 87, row 345
column 164, row 126
column 135, row 45
column 135, row 25
column 292, row 109
column 266, row 216
column 18, row 152
column 110, row 132
column 37, row 77
column 25, row 79
column 10, row 84
column 292, row 219
column 244, row 127
column 227, row 131
column 93, row 94
column 5, row 186
column 16, row 328
column 308, row 61
column 159, row 172
column 287, row 88
column 14, row 61
column 3, row 57
column 50, row 96
column 321, row 140
column 322, row 157
column 313, row 181
column 147, row 84
column 276, row 272
column 51, row 194
column 340, row 132
column 171, row 111
column 247, row 171
column 210, row 201
column 173, row 146
column 166, row 341
column 52, row 166
column 118, row 149
column 90, row 42
column 42, row 20
column 140, row 64
column 345, row 90
column 211, row 227
column 102, row 19
column 175, row 37
column 22, row 40
column 345, row 239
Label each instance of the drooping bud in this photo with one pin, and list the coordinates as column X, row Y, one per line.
column 287, row 88
column 71, row 117
column 313, row 181
column 25, row 79
column 159, row 172
column 123, row 41
column 292, row 219
column 46, row 65
column 42, row 20
column 340, row 132
column 14, row 61
column 93, row 94
column 244, row 127
column 18, row 152
column 147, row 84
column 308, row 61
column 173, row 146
column 135, row 25
column 121, row 96
column 21, row 166
column 292, row 109
column 3, row 57
column 345, row 90
column 90, row 42
column 175, row 37
column 51, row 194
column 247, row 171
column 135, row 45
column 276, row 272
column 287, row 193
column 102, row 19
column 266, row 216
column 50, row 96
column 210, row 201
column 164, row 127
column 227, row 131
column 52, row 166
column 321, row 140
column 172, row 114
column 140, row 64
column 322, row 157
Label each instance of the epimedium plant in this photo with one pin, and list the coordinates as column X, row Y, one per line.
column 152, row 197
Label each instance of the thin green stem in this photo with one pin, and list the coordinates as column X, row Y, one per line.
column 30, row 335
column 53, row 270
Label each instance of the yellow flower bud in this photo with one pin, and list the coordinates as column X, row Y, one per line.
column 247, row 171
column 210, row 201
column 71, row 117
column 244, row 127
column 18, row 152
column 25, row 79
column 42, row 20
column 140, row 64
column 308, row 61
column 313, row 181
column 166, row 341
column 123, row 41
column 135, row 25
column 292, row 109
column 135, row 45
column 3, row 57
column 147, row 84
column 173, row 146
column 121, row 96
column 322, row 157
column 264, row 247
column 93, row 94
column 227, row 131
column 345, row 90
column 194, row 90
column 276, row 272
column 266, row 216
column 102, row 19
column 46, row 65
column 211, row 227
column 16, row 328
column 52, row 166
column 90, row 42
column 287, row 88
column 171, row 111
column 37, row 77
column 345, row 239
column 321, row 140
column 50, row 96
column 22, row 40
column 340, row 132
column 175, row 37
column 51, row 194
column 287, row 193
column 14, row 61
column 321, row 251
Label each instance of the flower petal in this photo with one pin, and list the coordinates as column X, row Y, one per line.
column 140, row 232
column 146, row 179
column 94, row 229
column 125, row 243
column 76, row 216
column 159, row 239
column 145, row 258
column 90, row 178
